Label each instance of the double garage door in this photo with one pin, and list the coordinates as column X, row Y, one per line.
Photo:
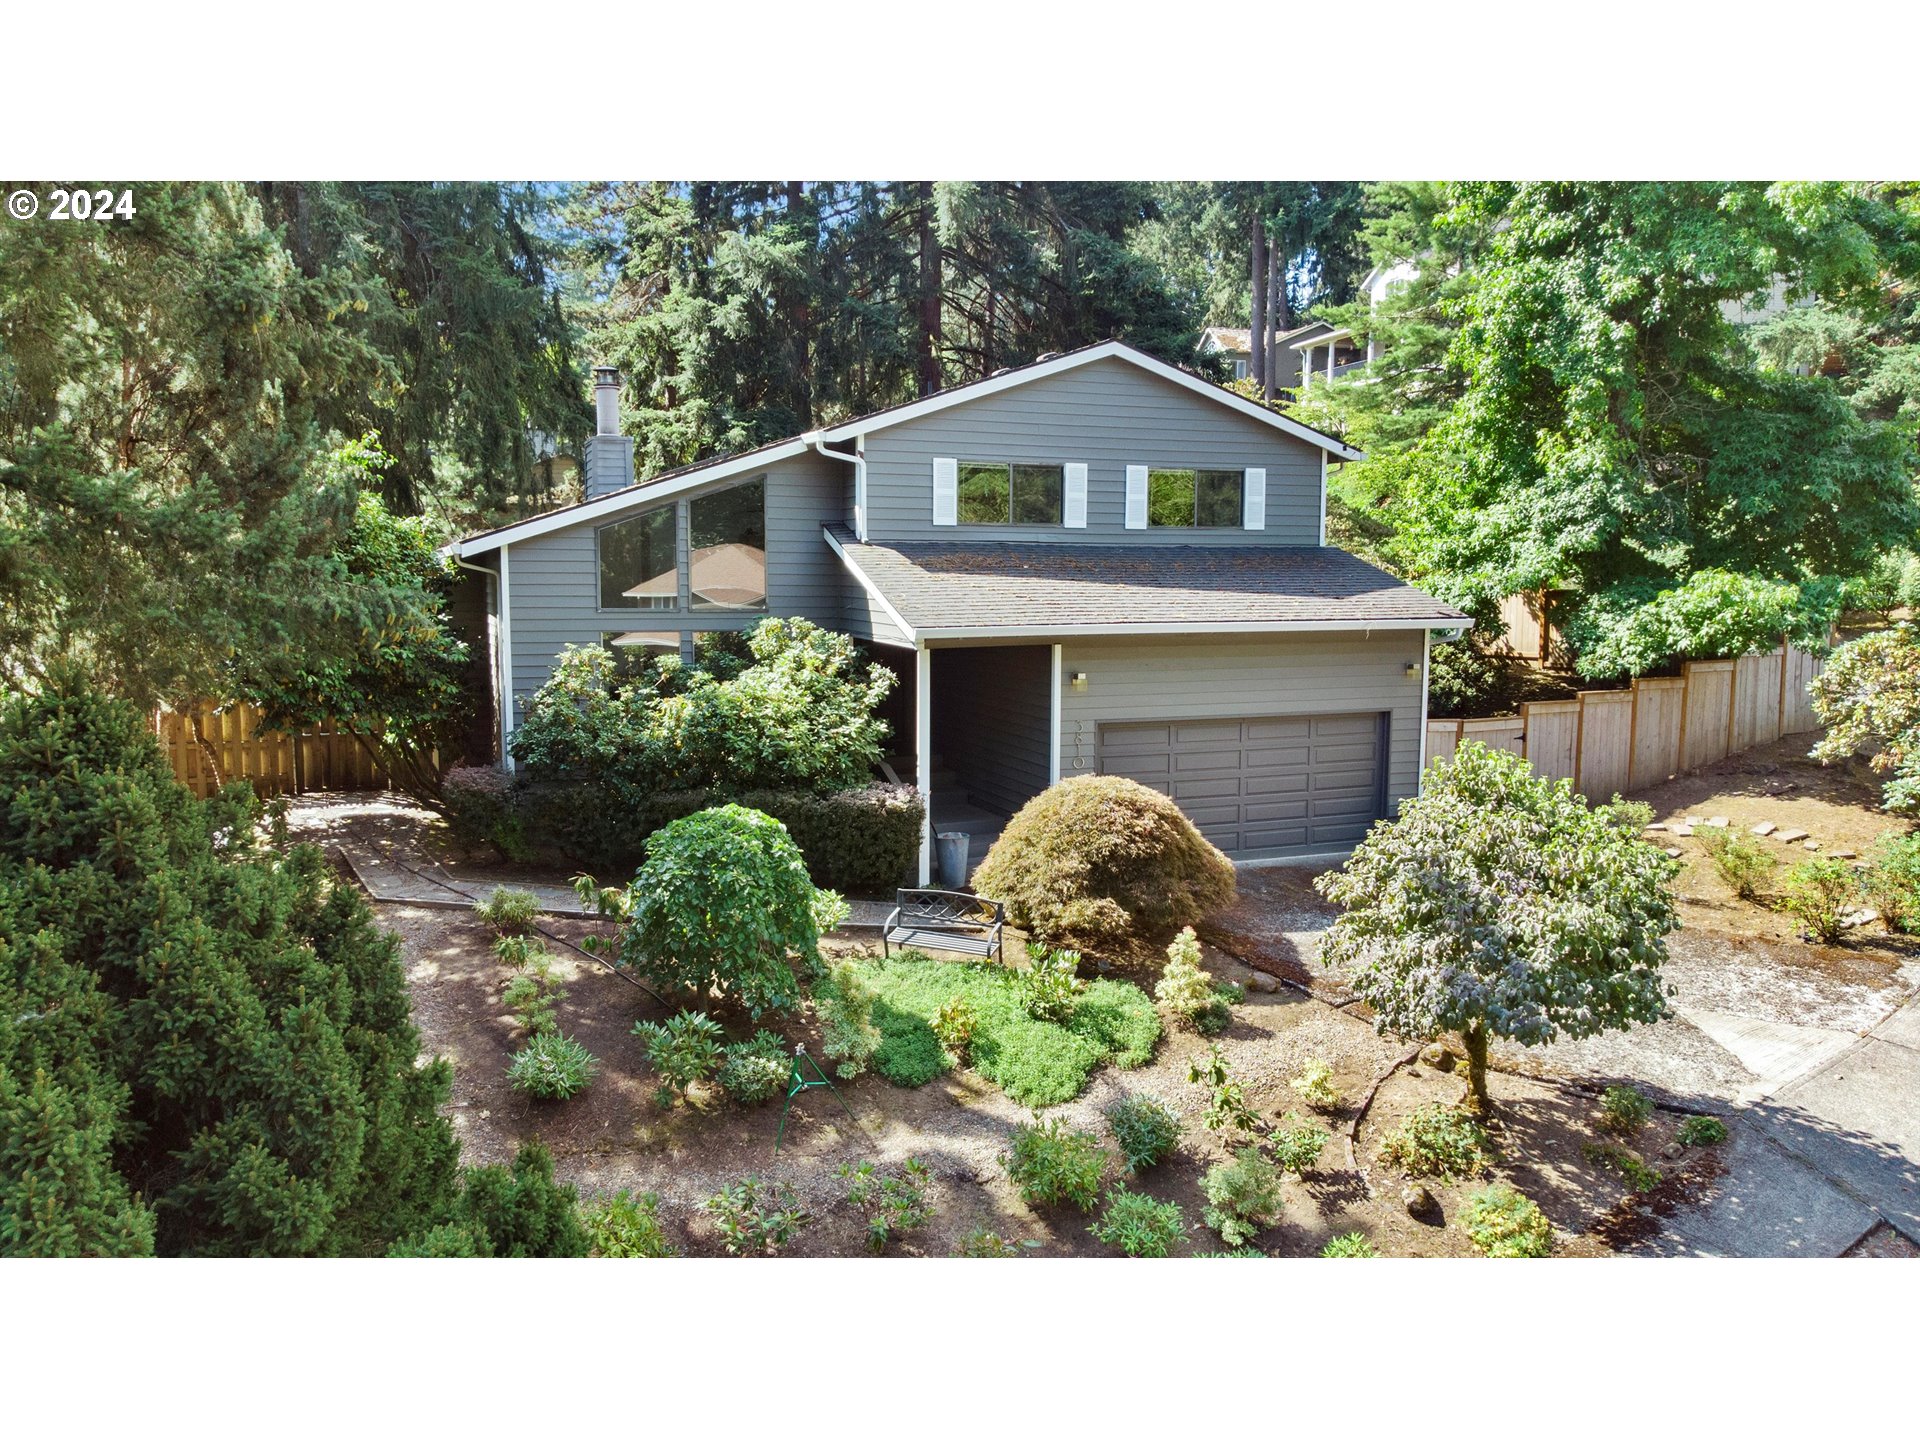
column 1266, row 788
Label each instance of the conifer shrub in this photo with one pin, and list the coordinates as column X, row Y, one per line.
column 1893, row 884
column 1188, row 993
column 844, row 1002
column 519, row 1209
column 1105, row 865
column 205, row 1043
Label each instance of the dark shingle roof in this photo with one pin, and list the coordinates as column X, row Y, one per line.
column 947, row 585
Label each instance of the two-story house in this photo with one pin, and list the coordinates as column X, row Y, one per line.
column 1096, row 563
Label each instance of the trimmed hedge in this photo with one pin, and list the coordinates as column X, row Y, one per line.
column 865, row 839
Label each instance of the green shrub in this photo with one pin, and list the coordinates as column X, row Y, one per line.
column 895, row 1204
column 1640, row 1176
column 520, row 951
column 508, row 911
column 755, row 1071
column 1314, row 1084
column 1701, row 1130
column 754, row 1219
column 1297, row 1147
column 1624, row 1110
column 442, row 1242
column 1463, row 679
column 1437, row 1140
column 478, row 803
column 551, row 1067
column 533, row 996
column 1052, row 1165
column 1350, row 1246
column 982, row 1243
column 724, row 903
column 1868, row 699
column 847, row 1033
column 1140, row 1227
column 625, row 1226
column 1243, row 1195
column 683, row 1050
column 205, row 1043
column 1818, row 894
column 1102, row 863
column 1742, row 861
column 1505, row 1225
column 1226, row 1100
column 520, row 1210
column 1049, row 983
column 1035, row 1062
column 1189, row 992
column 953, row 1025
column 1145, row 1130
column 1893, row 884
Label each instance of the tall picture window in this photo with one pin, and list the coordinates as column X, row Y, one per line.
column 727, row 566
column 1195, row 499
column 638, row 564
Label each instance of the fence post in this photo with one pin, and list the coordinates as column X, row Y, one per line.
column 1733, row 702
column 1633, row 733
column 1786, row 664
column 1686, row 706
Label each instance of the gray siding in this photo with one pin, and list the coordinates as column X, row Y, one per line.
column 554, row 579
column 1189, row 677
column 992, row 720
column 1109, row 414
column 863, row 618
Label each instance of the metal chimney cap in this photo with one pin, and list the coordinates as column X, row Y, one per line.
column 604, row 375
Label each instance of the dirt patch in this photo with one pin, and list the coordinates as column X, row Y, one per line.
column 1883, row 1242
column 1275, row 926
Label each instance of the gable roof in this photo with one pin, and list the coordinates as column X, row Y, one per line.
column 706, row 471
column 952, row 590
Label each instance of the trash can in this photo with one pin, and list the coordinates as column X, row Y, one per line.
column 950, row 858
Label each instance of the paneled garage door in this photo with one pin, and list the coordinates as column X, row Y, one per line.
column 1296, row 785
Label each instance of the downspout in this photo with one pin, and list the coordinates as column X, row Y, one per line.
column 858, row 460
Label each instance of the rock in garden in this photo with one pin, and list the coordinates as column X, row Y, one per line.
column 1418, row 1200
column 1438, row 1056
column 1673, row 1151
column 1262, row 983
column 1657, row 825
column 1673, row 852
column 1843, row 854
column 1765, row 827
column 1683, row 829
column 1718, row 822
column 1696, row 819
column 1787, row 837
column 1809, row 844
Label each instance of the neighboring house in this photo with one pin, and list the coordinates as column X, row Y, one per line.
column 1094, row 563
column 1237, row 346
column 1329, row 353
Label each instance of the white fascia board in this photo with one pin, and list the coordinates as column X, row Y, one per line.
column 1212, row 627
column 634, row 498
column 1111, row 350
column 871, row 588
column 1314, row 342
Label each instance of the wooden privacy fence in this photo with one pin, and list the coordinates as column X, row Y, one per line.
column 277, row 763
column 1616, row 741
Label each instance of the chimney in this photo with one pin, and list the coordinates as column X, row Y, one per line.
column 609, row 453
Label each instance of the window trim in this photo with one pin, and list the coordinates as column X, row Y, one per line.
column 1058, row 466
column 1240, row 506
column 683, row 608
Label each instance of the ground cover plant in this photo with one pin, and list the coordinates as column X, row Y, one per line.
column 1103, row 864
column 1145, row 1130
column 1139, row 1226
column 1702, row 1130
column 1503, row 1224
column 626, row 1226
column 1640, row 1176
column 1351, row 1246
column 1052, row 1165
column 1037, row 1062
column 1500, row 903
column 755, row 1218
column 1437, row 1140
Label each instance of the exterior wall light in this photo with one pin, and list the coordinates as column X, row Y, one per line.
column 1078, row 680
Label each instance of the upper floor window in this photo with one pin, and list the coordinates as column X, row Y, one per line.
column 727, row 569
column 1204, row 499
column 638, row 564
column 994, row 493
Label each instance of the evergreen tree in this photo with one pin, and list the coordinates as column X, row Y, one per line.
column 205, row 1046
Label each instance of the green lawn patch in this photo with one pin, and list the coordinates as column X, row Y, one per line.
column 1035, row 1062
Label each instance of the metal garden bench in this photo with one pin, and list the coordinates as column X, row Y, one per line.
column 946, row 920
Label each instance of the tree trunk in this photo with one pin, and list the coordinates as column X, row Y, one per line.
column 1257, row 310
column 929, row 359
column 800, row 323
column 1276, row 307
column 1476, row 1101
column 211, row 755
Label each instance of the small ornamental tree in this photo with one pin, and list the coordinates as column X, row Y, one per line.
column 1868, row 697
column 1500, row 903
column 724, row 903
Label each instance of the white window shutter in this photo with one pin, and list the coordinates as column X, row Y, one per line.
column 1136, row 497
column 1254, row 501
column 1075, row 511
column 946, row 492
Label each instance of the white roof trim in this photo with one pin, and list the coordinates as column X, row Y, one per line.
column 1204, row 627
column 872, row 589
column 630, row 498
column 1314, row 342
column 1109, row 350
